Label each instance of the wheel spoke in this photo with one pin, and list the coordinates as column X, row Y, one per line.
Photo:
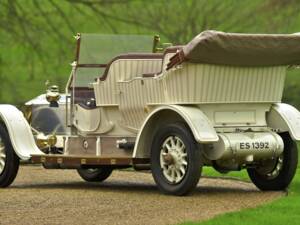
column 178, row 143
column 184, row 162
column 278, row 167
column 183, row 155
column 178, row 175
column 182, row 169
column 173, row 142
column 173, row 175
column 2, row 155
column 168, row 147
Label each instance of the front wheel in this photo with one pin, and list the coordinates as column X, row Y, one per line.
column 277, row 174
column 95, row 174
column 9, row 161
column 175, row 159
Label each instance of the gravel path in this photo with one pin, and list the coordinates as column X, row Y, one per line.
column 40, row 196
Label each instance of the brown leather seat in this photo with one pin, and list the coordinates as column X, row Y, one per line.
column 130, row 56
column 171, row 49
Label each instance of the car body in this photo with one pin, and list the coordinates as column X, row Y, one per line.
column 215, row 101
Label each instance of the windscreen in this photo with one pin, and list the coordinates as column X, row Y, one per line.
column 100, row 49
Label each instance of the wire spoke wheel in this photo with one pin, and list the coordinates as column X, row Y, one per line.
column 278, row 173
column 2, row 155
column 95, row 174
column 9, row 161
column 173, row 159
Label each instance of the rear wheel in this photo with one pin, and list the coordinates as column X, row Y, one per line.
column 9, row 161
column 95, row 174
column 277, row 174
column 175, row 160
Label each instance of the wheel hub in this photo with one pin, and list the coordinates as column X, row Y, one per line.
column 173, row 159
column 168, row 158
column 2, row 155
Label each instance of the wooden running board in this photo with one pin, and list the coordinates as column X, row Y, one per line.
column 70, row 161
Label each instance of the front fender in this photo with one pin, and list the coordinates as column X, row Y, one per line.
column 285, row 118
column 19, row 132
column 200, row 125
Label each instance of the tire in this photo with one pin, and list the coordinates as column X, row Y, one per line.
column 9, row 161
column 183, row 157
column 282, row 172
column 95, row 175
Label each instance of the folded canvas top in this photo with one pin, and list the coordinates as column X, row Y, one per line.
column 214, row 47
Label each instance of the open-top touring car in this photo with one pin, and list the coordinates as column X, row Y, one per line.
column 215, row 101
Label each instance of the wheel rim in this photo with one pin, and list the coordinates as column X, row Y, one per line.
column 275, row 169
column 2, row 155
column 173, row 159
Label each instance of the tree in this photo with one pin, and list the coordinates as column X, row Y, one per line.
column 36, row 35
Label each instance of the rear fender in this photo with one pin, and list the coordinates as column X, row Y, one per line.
column 285, row 118
column 19, row 132
column 200, row 126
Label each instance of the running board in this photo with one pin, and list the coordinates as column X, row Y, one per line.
column 69, row 161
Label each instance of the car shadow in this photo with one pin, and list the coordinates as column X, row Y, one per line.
column 134, row 187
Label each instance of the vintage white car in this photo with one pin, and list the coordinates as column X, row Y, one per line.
column 215, row 101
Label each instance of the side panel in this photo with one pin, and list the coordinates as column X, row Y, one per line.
column 199, row 124
column 285, row 117
column 19, row 131
column 223, row 84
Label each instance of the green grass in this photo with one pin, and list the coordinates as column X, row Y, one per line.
column 285, row 210
column 209, row 171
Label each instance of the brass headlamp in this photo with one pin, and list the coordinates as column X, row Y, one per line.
column 52, row 96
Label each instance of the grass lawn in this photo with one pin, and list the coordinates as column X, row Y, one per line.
column 285, row 210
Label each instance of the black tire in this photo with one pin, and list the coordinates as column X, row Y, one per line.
column 284, row 176
column 11, row 166
column 193, row 158
column 95, row 174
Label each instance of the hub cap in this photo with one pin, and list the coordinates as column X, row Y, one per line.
column 2, row 155
column 173, row 159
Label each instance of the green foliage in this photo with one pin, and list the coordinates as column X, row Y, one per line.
column 37, row 45
column 291, row 92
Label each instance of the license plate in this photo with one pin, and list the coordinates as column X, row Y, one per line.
column 253, row 145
